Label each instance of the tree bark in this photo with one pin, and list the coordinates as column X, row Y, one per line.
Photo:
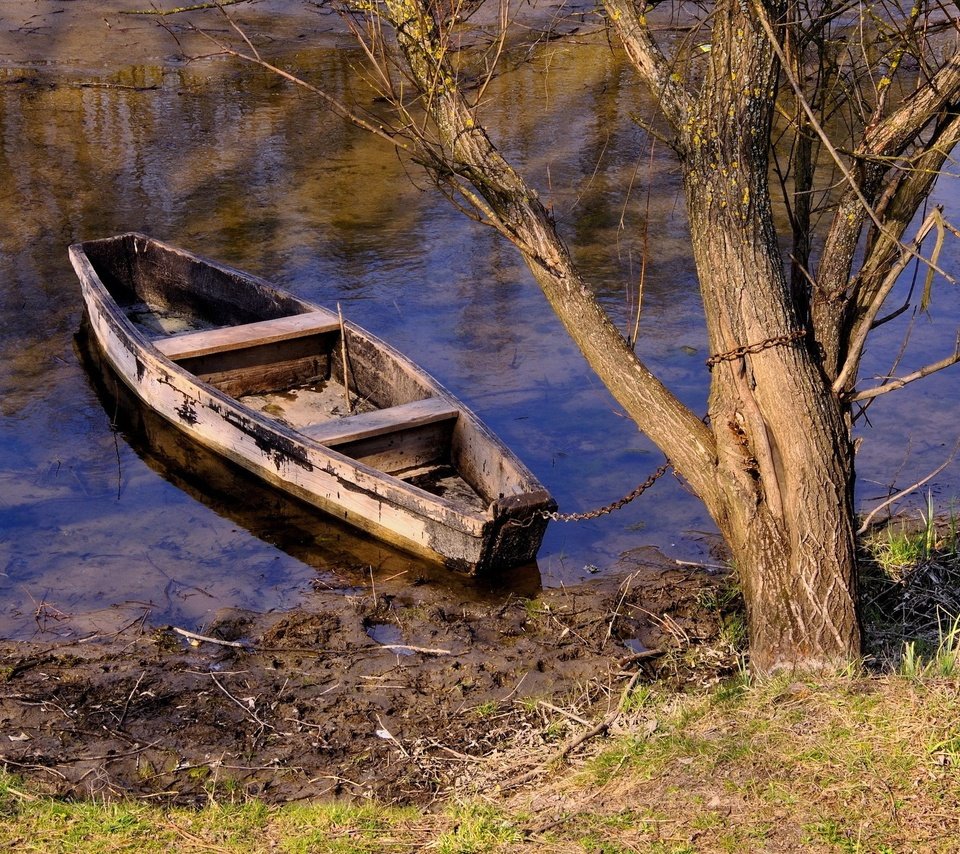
column 783, row 447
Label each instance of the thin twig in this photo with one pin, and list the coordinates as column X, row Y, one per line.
column 253, row 715
column 897, row 383
column 624, row 590
column 563, row 712
column 401, row 647
column 162, row 13
column 383, row 732
column 912, row 251
column 858, row 338
column 346, row 377
column 515, row 688
column 206, row 639
column 905, row 492
column 126, row 705
column 338, row 108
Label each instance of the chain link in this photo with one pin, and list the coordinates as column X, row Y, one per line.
column 600, row 511
column 748, row 349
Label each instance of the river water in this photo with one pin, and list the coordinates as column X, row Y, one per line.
column 104, row 128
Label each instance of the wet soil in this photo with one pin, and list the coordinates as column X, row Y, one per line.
column 399, row 696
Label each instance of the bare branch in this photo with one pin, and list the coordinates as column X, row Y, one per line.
column 196, row 7
column 909, row 119
column 501, row 41
column 673, row 99
column 899, row 205
column 858, row 336
column 867, row 522
column 240, row 33
column 899, row 382
column 890, row 136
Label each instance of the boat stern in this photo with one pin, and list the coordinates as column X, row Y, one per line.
column 519, row 523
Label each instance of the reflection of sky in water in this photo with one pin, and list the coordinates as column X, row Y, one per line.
column 241, row 169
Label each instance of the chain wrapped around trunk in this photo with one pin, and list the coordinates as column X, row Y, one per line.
column 757, row 347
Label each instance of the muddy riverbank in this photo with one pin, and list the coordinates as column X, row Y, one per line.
column 399, row 696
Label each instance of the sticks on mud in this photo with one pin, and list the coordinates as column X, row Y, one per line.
column 423, row 650
column 563, row 712
column 126, row 705
column 193, row 636
column 598, row 729
column 252, row 714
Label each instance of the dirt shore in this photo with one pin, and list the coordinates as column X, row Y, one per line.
column 402, row 697
column 94, row 37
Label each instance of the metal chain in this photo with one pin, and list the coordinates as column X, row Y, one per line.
column 609, row 508
column 748, row 349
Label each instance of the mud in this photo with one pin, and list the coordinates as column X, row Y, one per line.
column 399, row 696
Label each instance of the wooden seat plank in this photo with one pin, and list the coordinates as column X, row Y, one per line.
column 190, row 345
column 352, row 428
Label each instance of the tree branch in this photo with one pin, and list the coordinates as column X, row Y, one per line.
column 891, row 135
column 858, row 335
column 674, row 101
column 905, row 492
column 898, row 206
column 924, row 107
column 899, row 382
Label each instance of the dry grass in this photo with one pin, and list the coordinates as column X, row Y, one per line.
column 849, row 765
column 867, row 764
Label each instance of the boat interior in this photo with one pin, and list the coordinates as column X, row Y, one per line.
column 296, row 364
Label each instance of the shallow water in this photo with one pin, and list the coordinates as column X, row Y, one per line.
column 97, row 530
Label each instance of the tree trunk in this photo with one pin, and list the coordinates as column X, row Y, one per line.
column 785, row 454
column 783, row 443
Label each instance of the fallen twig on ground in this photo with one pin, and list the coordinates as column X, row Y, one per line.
column 207, row 639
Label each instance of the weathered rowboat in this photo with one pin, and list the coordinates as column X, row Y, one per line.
column 315, row 406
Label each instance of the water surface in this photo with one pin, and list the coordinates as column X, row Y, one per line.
column 98, row 528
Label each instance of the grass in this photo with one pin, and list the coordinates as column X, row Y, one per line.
column 486, row 709
column 868, row 764
column 901, row 547
column 944, row 660
column 910, row 578
column 851, row 765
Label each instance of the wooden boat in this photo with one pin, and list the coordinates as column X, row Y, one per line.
column 315, row 406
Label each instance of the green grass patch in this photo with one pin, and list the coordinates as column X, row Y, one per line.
column 479, row 828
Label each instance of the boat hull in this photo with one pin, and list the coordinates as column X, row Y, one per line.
column 506, row 533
